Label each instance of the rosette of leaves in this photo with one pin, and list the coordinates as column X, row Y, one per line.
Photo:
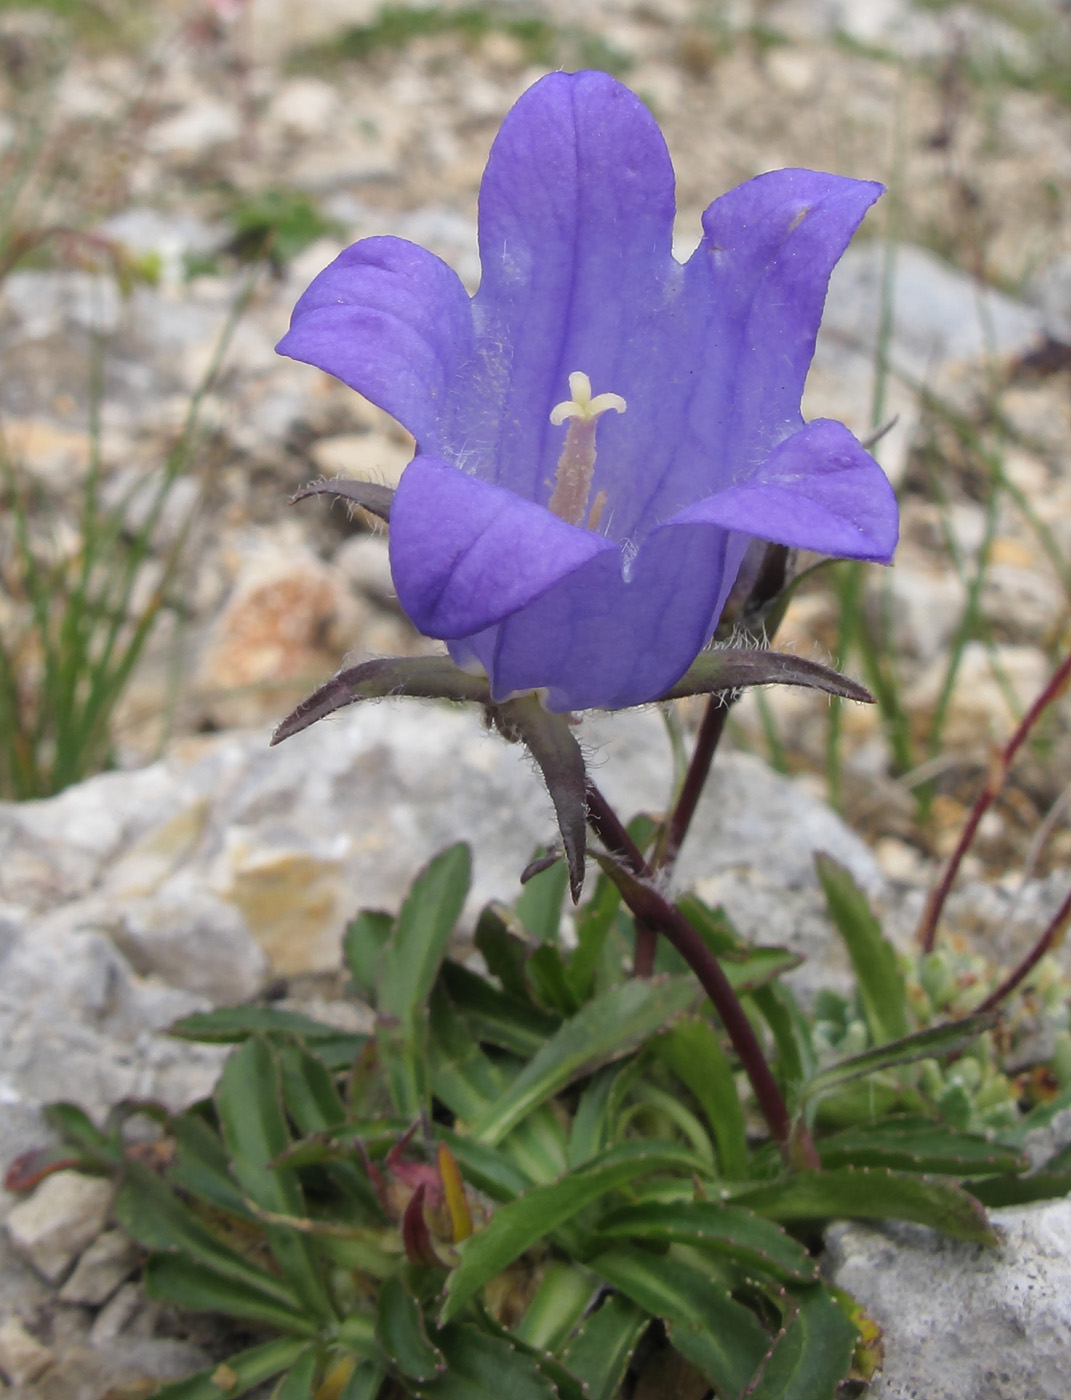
column 545, row 1179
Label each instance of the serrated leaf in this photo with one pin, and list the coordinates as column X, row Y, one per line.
column 1022, row 1190
column 425, row 677
column 401, row 1332
column 721, row 1337
column 516, row 1227
column 495, row 1016
column 919, row 1144
column 151, row 1213
column 249, row 1368
column 693, row 1052
column 249, row 1104
column 721, row 1228
column 228, row 1025
column 731, row 668
column 599, row 1353
column 178, row 1279
column 873, row 957
column 869, row 1193
column 813, row 1352
column 610, row 1026
column 923, row 1045
column 480, row 1367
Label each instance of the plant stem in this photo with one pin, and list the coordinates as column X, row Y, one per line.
column 655, row 912
column 706, row 742
column 1056, row 926
column 927, row 930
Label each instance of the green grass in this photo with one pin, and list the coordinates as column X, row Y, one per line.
column 396, row 26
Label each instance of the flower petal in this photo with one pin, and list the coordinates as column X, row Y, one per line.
column 820, row 490
column 754, row 292
column 576, row 222
column 464, row 554
column 392, row 321
column 598, row 640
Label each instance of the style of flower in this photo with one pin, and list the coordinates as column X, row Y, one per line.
column 601, row 431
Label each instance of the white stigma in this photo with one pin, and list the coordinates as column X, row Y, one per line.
column 576, row 465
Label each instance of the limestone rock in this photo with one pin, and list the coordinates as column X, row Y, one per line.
column 963, row 1322
column 22, row 1356
column 55, row 1224
column 109, row 1260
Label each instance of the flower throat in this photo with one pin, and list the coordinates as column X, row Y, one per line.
column 576, row 465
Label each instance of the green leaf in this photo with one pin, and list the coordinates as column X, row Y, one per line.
column 599, row 1353
column 593, row 1120
column 503, row 948
column 869, row 1193
column 497, row 1017
column 812, row 1354
column 401, row 1332
column 480, row 1367
column 410, row 966
column 516, row 1227
column 721, row 1337
column 428, row 915
column 300, row 1383
column 151, row 1213
column 463, row 1077
column 539, row 908
column 363, row 946
column 923, row 1045
column 365, row 1383
column 796, row 1060
column 249, row 1368
column 593, row 923
column 248, row 1100
column 486, row 1168
column 724, row 1229
column 549, row 980
column 77, row 1129
column 562, row 1298
column 188, row 1283
column 607, row 1028
column 921, row 1145
column 874, row 960
column 694, row 1054
column 228, row 1025
column 1022, row 1190
column 201, row 1166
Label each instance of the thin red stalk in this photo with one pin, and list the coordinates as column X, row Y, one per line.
column 1056, row 926
column 706, row 742
column 653, row 910
column 927, row 930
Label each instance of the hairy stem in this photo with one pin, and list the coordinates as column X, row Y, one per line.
column 655, row 912
column 927, row 930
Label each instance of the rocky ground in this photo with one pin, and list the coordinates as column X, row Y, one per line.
column 144, row 151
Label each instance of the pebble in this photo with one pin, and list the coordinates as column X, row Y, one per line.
column 107, row 1263
column 53, row 1226
column 22, row 1357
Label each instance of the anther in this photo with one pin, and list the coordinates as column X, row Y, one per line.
column 576, row 465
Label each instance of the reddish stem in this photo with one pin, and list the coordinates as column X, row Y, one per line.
column 706, row 742
column 998, row 773
column 653, row 910
column 1055, row 928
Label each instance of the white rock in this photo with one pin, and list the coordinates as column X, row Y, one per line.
column 56, row 1223
column 108, row 1262
column 963, row 1322
column 22, row 1356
